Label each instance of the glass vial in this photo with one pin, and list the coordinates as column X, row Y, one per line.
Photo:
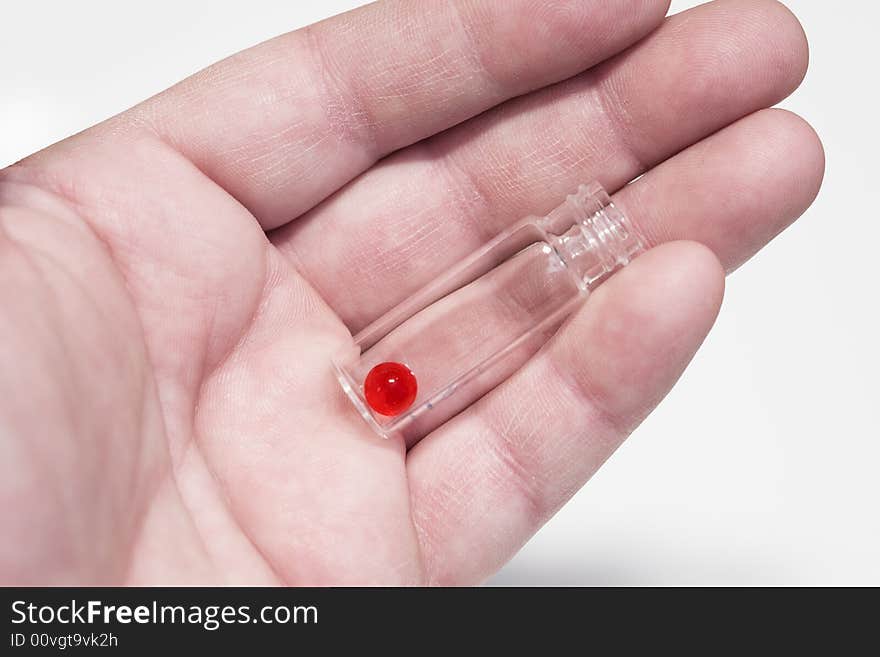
column 466, row 331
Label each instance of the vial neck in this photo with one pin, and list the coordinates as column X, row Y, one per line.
column 592, row 236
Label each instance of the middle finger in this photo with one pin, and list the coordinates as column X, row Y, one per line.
column 419, row 211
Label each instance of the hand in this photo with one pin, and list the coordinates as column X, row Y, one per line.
column 176, row 280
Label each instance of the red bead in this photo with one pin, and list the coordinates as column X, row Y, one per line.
column 390, row 388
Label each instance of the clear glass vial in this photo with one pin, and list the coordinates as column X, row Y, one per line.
column 466, row 331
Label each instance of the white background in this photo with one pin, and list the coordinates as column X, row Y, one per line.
column 763, row 465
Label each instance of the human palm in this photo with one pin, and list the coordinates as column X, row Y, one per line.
column 176, row 281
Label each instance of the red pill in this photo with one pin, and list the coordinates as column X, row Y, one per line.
column 390, row 388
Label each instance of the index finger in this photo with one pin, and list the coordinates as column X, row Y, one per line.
column 282, row 125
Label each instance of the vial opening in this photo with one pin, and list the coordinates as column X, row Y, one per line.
column 592, row 235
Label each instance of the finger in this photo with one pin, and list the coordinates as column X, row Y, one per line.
column 424, row 208
column 486, row 481
column 734, row 191
column 282, row 125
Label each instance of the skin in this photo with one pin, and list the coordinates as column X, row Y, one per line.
column 175, row 281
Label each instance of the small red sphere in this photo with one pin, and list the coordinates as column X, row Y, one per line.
column 390, row 388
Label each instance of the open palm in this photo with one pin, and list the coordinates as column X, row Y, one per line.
column 176, row 281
